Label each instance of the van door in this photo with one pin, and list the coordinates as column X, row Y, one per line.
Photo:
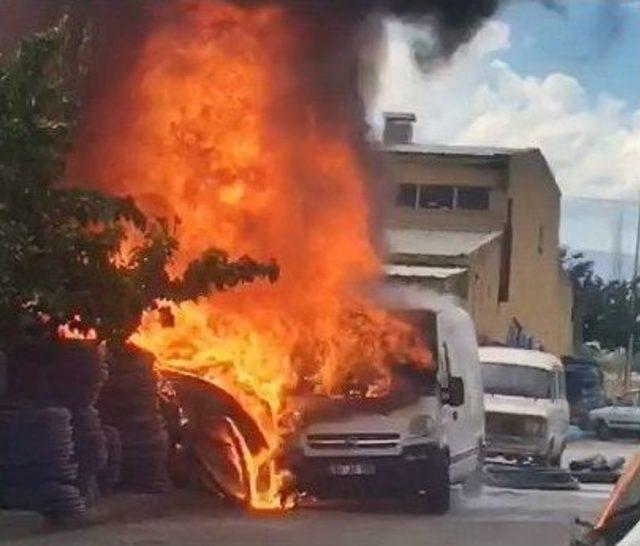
column 463, row 423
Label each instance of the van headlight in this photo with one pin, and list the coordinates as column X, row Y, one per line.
column 422, row 425
column 535, row 427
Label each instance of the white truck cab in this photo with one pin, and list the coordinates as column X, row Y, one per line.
column 415, row 449
column 526, row 408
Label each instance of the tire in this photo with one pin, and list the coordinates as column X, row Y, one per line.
column 556, row 460
column 31, row 476
column 215, row 455
column 109, row 476
column 603, row 432
column 552, row 459
column 438, row 495
column 472, row 486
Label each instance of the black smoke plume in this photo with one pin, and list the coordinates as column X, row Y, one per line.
column 335, row 60
column 334, row 27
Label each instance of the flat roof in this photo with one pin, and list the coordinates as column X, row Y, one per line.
column 437, row 243
column 445, row 149
column 519, row 357
column 423, row 271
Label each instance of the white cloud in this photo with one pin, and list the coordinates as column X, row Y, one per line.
column 592, row 144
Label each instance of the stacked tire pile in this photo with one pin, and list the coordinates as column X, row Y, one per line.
column 75, row 376
column 129, row 402
column 109, row 476
column 91, row 452
column 37, row 469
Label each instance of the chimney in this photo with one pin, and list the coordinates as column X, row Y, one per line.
column 398, row 127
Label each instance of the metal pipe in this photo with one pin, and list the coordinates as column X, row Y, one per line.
column 627, row 371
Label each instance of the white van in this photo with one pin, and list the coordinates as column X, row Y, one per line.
column 526, row 408
column 376, row 447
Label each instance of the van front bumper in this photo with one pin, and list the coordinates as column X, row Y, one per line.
column 392, row 475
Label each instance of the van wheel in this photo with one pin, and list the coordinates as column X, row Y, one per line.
column 438, row 496
column 551, row 459
column 472, row 486
column 603, row 432
column 559, row 457
column 555, row 460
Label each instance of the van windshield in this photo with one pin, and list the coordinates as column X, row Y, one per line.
column 514, row 380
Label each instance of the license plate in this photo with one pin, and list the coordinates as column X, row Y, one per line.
column 352, row 469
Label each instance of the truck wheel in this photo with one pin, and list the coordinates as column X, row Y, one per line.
column 439, row 495
column 603, row 432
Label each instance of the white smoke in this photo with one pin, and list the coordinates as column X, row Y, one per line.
column 412, row 297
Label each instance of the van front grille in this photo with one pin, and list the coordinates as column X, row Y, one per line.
column 366, row 440
column 505, row 424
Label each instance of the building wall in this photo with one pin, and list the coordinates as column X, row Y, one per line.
column 484, row 284
column 539, row 292
column 425, row 169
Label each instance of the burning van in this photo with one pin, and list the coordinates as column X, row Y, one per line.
column 424, row 435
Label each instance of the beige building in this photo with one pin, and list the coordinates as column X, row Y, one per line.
column 482, row 223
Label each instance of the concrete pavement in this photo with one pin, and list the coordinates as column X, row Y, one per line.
column 499, row 517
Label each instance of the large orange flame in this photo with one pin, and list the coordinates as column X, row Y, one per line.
column 208, row 129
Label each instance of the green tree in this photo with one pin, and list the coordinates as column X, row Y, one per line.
column 57, row 243
column 602, row 310
column 586, row 293
column 610, row 318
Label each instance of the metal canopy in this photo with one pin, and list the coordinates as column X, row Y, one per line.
column 437, row 243
column 421, row 271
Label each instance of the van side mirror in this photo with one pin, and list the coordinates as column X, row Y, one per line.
column 456, row 391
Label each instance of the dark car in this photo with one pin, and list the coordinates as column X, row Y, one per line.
column 585, row 388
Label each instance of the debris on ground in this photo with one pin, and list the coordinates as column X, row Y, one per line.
column 528, row 476
column 621, row 513
column 597, row 469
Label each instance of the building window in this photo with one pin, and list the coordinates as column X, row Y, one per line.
column 540, row 239
column 436, row 197
column 439, row 196
column 407, row 195
column 473, row 198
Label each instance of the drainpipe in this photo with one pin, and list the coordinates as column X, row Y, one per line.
column 627, row 370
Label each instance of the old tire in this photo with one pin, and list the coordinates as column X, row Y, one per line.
column 603, row 432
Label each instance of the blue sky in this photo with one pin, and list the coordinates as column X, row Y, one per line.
column 596, row 41
column 565, row 80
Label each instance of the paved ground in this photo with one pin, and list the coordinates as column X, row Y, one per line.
column 499, row 517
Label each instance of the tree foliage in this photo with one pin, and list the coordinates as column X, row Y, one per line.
column 602, row 310
column 56, row 243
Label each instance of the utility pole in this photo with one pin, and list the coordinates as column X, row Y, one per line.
column 627, row 371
